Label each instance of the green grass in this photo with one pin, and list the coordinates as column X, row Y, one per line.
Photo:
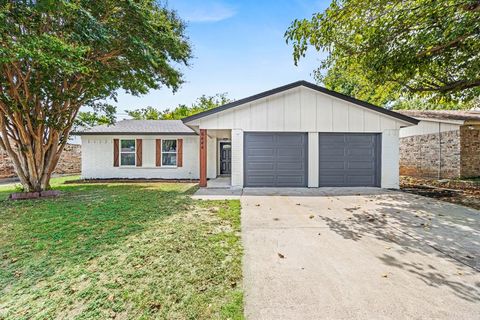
column 123, row 251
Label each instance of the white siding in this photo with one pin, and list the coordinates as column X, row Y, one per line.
column 300, row 110
column 237, row 158
column 97, row 159
column 313, row 153
column 211, row 158
column 390, row 159
column 428, row 127
column 303, row 109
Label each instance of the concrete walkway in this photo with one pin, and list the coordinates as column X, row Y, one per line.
column 358, row 254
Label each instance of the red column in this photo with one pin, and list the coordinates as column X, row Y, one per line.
column 203, row 158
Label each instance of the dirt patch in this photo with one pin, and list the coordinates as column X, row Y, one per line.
column 466, row 193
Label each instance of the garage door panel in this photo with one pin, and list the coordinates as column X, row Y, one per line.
column 355, row 139
column 260, row 166
column 290, row 139
column 283, row 165
column 291, row 151
column 360, row 165
column 261, row 152
column 355, row 152
column 349, row 159
column 290, row 166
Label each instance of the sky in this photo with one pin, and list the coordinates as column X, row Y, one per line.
column 239, row 49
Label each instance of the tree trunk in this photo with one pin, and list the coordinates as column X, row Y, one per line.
column 34, row 156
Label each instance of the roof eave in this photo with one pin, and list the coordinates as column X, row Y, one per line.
column 134, row 133
column 307, row 85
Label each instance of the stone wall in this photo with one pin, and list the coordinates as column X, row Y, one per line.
column 420, row 155
column 70, row 162
column 470, row 151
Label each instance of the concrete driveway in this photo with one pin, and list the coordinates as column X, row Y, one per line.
column 358, row 254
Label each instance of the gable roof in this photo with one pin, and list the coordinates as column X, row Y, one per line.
column 145, row 127
column 307, row 85
column 443, row 114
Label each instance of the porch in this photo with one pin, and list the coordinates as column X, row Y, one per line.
column 215, row 159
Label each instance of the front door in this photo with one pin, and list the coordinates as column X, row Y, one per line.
column 225, row 158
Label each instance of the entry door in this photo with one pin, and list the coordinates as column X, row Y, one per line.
column 225, row 158
column 349, row 159
column 275, row 159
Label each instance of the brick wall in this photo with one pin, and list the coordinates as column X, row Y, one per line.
column 70, row 162
column 420, row 155
column 470, row 151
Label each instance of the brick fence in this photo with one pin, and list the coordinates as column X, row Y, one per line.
column 70, row 162
column 447, row 155
column 470, row 151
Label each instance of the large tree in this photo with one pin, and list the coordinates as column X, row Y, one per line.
column 383, row 49
column 203, row 103
column 59, row 55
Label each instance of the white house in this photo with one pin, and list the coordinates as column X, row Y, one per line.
column 297, row 135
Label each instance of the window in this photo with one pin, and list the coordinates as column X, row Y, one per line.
column 127, row 152
column 169, row 153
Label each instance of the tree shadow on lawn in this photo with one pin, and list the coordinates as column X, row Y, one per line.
column 38, row 237
column 421, row 226
column 127, row 250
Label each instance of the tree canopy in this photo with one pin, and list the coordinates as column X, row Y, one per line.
column 203, row 103
column 102, row 114
column 381, row 50
column 59, row 55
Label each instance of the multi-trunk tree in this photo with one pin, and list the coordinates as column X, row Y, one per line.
column 59, row 55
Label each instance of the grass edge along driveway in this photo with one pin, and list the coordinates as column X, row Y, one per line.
column 120, row 251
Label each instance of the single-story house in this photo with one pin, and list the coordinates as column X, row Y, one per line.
column 444, row 144
column 297, row 135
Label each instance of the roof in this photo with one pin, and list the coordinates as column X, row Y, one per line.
column 307, row 85
column 443, row 114
column 145, row 127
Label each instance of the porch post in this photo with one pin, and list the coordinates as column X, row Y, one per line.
column 203, row 158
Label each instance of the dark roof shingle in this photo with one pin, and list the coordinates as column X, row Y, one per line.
column 442, row 114
column 146, row 127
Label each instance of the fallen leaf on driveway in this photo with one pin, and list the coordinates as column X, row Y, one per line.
column 312, row 216
column 281, row 256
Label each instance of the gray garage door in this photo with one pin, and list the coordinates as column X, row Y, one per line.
column 275, row 159
column 349, row 159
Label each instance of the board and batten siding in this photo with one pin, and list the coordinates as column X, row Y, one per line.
column 97, row 158
column 302, row 109
column 299, row 110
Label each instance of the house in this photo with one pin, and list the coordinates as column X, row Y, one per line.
column 444, row 144
column 297, row 135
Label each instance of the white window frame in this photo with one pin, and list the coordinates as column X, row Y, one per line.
column 169, row 152
column 134, row 153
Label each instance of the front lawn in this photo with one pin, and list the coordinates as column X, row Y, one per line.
column 123, row 251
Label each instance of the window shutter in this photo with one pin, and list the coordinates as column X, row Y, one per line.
column 158, row 152
column 138, row 149
column 115, row 152
column 180, row 153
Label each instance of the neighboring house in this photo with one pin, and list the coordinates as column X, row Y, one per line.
column 444, row 144
column 69, row 162
column 298, row 135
